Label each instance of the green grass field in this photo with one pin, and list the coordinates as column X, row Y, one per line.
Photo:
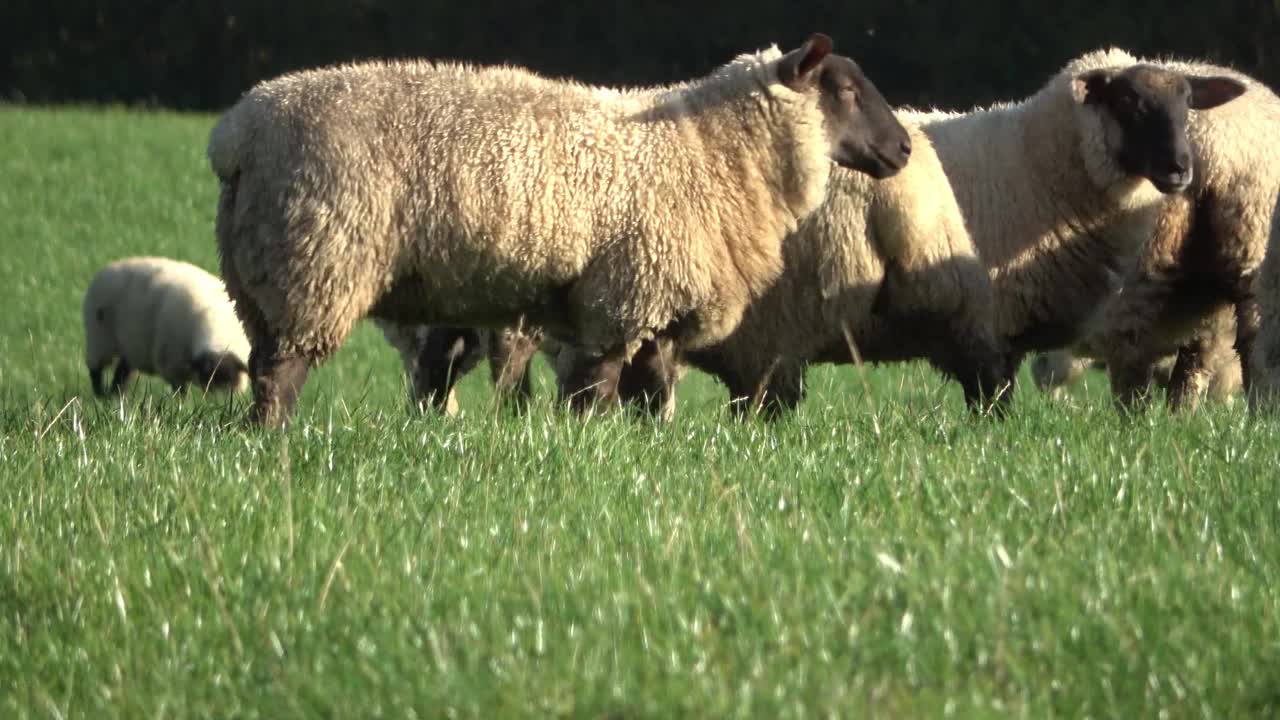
column 879, row 554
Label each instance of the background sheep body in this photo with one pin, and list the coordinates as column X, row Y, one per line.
column 874, row 258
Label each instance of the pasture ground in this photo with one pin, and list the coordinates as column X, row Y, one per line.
column 879, row 554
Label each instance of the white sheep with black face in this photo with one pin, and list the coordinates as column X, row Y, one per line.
column 438, row 193
column 162, row 317
column 1195, row 275
column 1058, row 194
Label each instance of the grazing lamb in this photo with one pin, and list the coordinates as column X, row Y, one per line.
column 162, row 317
column 415, row 193
column 1059, row 193
column 1207, row 246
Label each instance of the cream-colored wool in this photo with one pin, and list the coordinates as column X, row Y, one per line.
column 420, row 192
column 1052, row 216
column 1209, row 242
column 159, row 316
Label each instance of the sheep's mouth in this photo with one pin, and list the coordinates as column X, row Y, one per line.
column 1172, row 182
column 877, row 164
column 894, row 161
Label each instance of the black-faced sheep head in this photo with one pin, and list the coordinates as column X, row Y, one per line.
column 220, row 371
column 1146, row 108
column 861, row 127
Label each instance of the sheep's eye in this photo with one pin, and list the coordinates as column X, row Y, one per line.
column 849, row 92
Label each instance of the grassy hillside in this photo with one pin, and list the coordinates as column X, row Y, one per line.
column 879, row 554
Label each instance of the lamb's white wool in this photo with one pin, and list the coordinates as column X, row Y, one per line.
column 163, row 317
column 1052, row 214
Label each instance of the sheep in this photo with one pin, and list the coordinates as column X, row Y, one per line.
column 1219, row 376
column 417, row 193
column 163, row 317
column 1264, row 360
column 1201, row 260
column 1058, row 192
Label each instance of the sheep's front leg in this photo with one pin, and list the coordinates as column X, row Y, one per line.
column 448, row 354
column 122, row 377
column 1248, row 325
column 1190, row 377
column 277, row 383
column 95, row 379
column 1125, row 336
column 510, row 351
column 973, row 358
column 648, row 381
column 588, row 381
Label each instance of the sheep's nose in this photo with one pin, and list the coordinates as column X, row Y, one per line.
column 1181, row 163
column 905, row 147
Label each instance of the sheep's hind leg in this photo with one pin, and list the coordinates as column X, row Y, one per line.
column 647, row 383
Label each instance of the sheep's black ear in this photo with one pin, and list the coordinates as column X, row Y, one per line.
column 796, row 66
column 1087, row 87
column 1210, row 92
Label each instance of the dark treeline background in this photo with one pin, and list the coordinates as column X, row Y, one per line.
column 201, row 54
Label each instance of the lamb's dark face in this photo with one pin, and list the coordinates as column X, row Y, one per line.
column 1148, row 107
column 862, row 129
column 220, row 371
